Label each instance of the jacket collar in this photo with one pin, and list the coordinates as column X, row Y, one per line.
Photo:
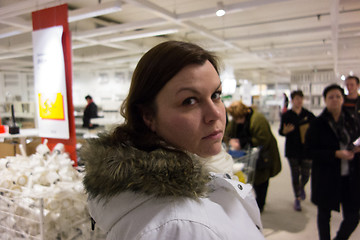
column 112, row 168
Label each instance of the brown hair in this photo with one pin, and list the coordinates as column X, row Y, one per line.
column 238, row 110
column 157, row 67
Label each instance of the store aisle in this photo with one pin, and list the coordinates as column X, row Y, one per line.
column 280, row 221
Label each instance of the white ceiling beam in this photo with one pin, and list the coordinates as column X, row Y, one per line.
column 115, row 54
column 199, row 29
column 17, row 22
column 94, row 11
column 98, row 57
column 90, row 42
column 151, row 32
column 17, row 47
column 8, row 14
column 9, row 32
column 119, row 28
column 334, row 12
column 167, row 15
column 280, row 33
column 157, row 10
column 171, row 17
column 28, row 6
column 230, row 8
column 15, row 55
column 290, row 32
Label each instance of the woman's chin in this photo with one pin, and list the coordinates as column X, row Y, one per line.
column 209, row 152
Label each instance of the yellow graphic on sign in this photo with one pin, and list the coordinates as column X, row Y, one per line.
column 50, row 109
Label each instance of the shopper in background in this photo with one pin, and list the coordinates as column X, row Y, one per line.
column 249, row 128
column 335, row 164
column 90, row 111
column 293, row 125
column 149, row 178
column 285, row 104
column 352, row 100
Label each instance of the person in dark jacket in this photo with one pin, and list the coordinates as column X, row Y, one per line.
column 89, row 112
column 352, row 99
column 335, row 177
column 250, row 128
column 285, row 104
column 293, row 126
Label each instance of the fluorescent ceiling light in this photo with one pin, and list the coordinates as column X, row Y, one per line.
column 94, row 11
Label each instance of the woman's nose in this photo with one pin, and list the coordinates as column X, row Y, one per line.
column 213, row 111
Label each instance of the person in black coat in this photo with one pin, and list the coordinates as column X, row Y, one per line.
column 335, row 177
column 89, row 112
column 352, row 100
column 293, row 125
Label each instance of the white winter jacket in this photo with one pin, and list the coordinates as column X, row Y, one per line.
column 158, row 196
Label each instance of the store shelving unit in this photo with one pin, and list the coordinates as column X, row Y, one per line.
column 312, row 84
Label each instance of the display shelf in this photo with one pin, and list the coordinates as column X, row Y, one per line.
column 18, row 115
column 24, row 114
column 21, row 216
column 22, row 135
column 26, row 216
column 42, row 197
column 312, row 84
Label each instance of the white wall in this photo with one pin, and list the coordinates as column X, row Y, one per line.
column 108, row 89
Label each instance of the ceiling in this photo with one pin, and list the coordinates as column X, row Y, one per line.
column 263, row 41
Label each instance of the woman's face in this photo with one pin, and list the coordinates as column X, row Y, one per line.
column 240, row 120
column 334, row 100
column 189, row 112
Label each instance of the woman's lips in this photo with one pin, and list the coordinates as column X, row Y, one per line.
column 214, row 135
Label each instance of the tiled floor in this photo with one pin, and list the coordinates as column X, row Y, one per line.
column 280, row 221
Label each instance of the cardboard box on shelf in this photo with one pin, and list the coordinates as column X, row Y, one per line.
column 27, row 124
column 9, row 149
column 31, row 146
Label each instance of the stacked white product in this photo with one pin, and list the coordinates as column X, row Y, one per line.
column 42, row 197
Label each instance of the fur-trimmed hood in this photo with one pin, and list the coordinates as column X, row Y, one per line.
column 113, row 168
column 155, row 191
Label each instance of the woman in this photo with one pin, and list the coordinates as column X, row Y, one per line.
column 249, row 128
column 294, row 124
column 149, row 179
column 335, row 177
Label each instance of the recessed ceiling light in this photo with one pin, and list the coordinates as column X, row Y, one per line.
column 220, row 9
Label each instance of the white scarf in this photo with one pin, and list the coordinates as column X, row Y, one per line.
column 219, row 163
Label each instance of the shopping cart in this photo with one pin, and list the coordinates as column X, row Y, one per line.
column 245, row 164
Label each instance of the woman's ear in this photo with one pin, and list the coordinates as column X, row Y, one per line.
column 149, row 120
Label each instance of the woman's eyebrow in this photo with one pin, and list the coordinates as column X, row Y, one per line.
column 193, row 90
column 187, row 89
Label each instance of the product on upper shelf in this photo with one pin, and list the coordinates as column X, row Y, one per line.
column 13, row 129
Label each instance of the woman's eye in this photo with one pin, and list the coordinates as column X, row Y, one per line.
column 189, row 101
column 216, row 95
